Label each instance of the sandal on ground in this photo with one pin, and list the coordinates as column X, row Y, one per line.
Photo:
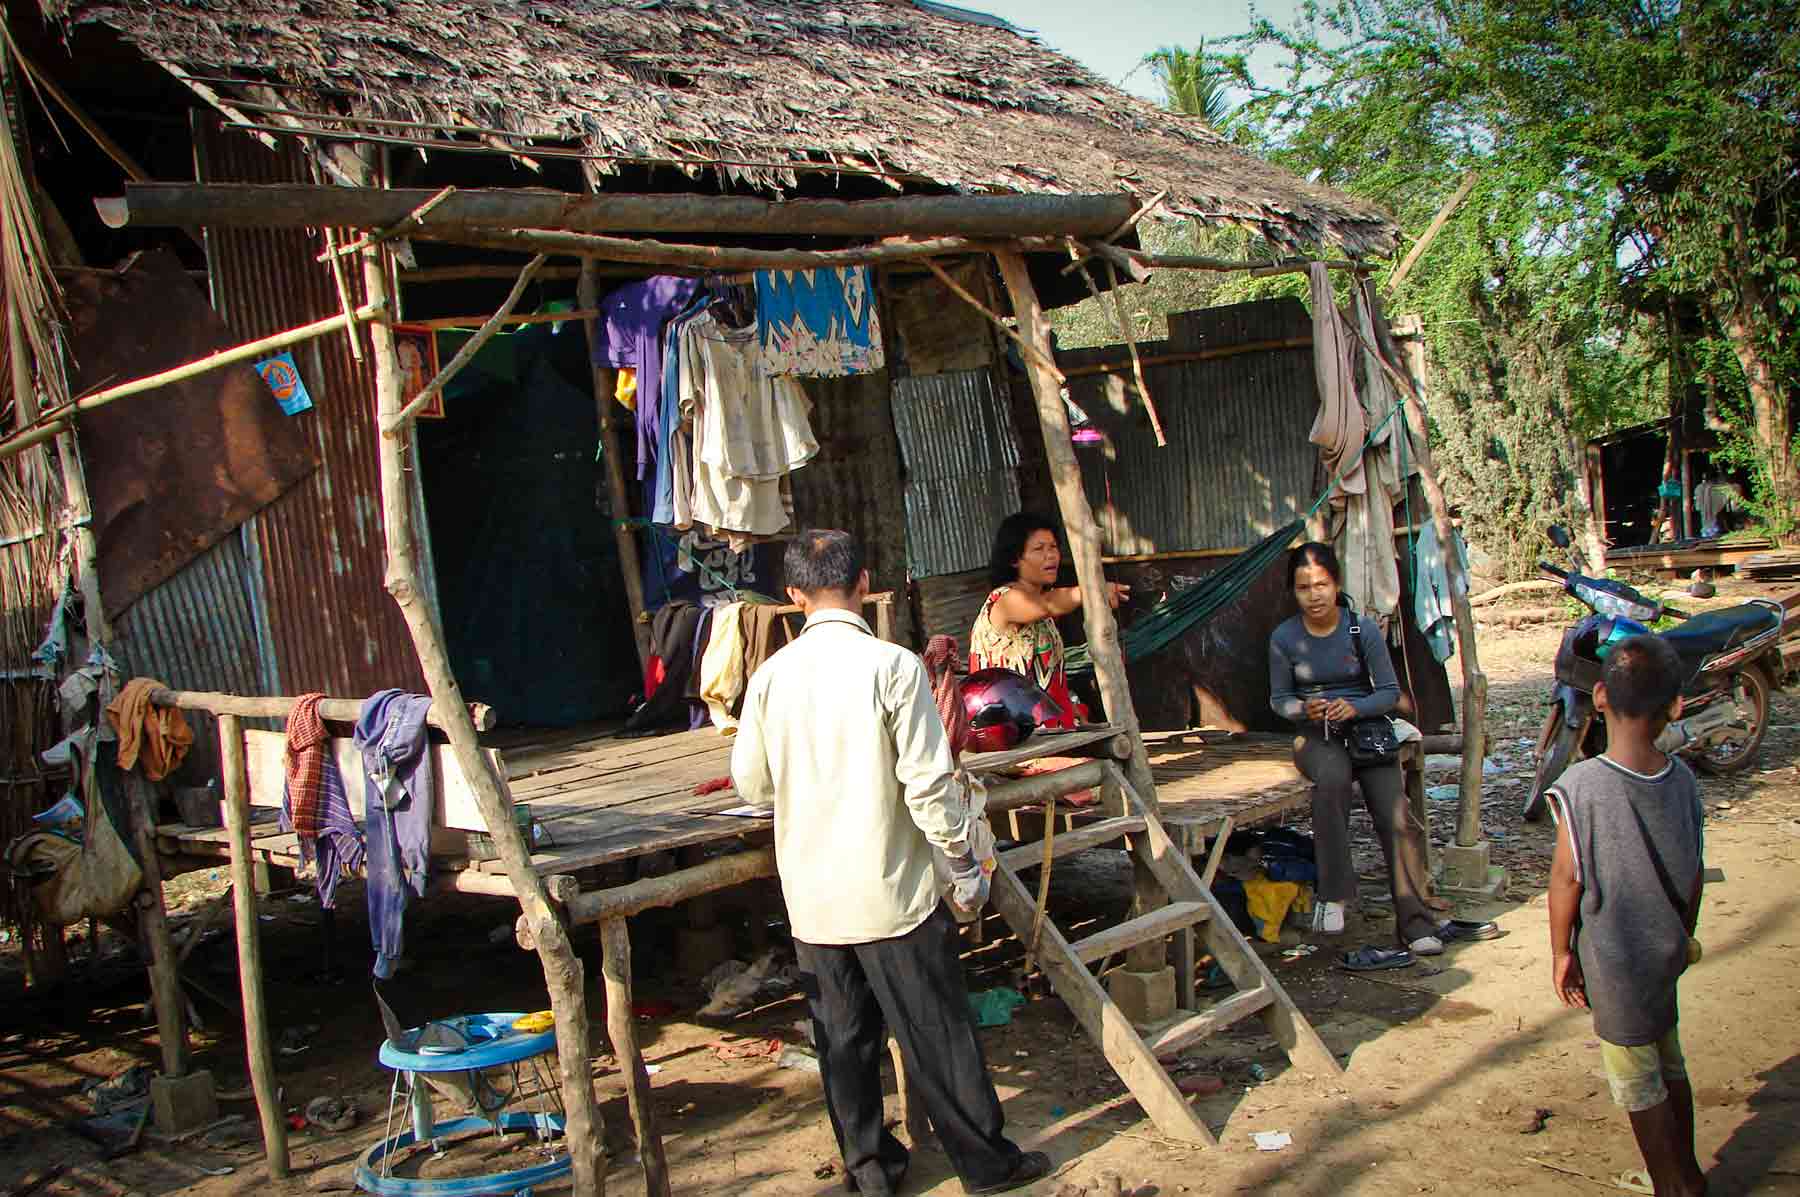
column 1637, row 1181
column 1373, row 959
column 1463, row 930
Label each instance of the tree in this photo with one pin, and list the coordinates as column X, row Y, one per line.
column 1620, row 143
column 1192, row 84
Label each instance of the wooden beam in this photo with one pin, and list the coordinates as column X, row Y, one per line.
column 1197, row 355
column 449, row 322
column 605, row 383
column 334, row 710
column 702, row 257
column 721, row 872
column 563, row 974
column 1444, row 213
column 236, row 809
column 615, row 969
column 153, row 929
column 53, row 422
column 251, row 205
column 962, row 293
column 477, row 271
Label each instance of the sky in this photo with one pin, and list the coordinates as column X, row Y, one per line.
column 1111, row 37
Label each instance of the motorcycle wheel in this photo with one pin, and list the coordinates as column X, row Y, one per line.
column 1751, row 693
column 1558, row 746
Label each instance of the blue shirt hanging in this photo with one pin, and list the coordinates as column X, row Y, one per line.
column 818, row 323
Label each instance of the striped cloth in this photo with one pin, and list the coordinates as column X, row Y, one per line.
column 316, row 806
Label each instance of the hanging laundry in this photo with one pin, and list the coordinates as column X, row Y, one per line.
column 672, row 637
column 722, row 668
column 630, row 334
column 818, row 323
column 749, row 430
column 1433, row 600
column 625, row 388
column 398, row 806
column 158, row 738
column 1712, row 500
column 672, row 501
column 314, row 805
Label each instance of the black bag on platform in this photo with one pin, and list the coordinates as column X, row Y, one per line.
column 1373, row 740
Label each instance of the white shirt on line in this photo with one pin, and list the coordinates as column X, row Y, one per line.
column 841, row 737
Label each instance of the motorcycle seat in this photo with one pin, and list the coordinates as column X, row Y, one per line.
column 1717, row 631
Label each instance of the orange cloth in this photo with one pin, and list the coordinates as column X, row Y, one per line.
column 158, row 736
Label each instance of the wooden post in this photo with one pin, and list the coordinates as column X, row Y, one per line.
column 587, row 298
column 562, row 970
column 1086, row 549
column 1474, row 712
column 153, row 928
column 236, row 809
column 615, row 967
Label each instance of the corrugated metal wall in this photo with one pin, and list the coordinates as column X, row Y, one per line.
column 1238, row 464
column 961, row 458
column 197, row 631
column 330, row 622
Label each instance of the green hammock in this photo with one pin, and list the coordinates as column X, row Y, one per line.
column 1184, row 610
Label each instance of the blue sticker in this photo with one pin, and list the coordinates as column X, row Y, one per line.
column 283, row 377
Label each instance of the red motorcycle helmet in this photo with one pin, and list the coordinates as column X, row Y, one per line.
column 1004, row 707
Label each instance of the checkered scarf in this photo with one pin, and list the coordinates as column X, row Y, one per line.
column 307, row 758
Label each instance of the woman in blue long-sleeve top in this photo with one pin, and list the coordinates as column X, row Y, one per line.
column 1320, row 682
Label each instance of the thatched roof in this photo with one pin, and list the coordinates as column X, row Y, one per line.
column 757, row 90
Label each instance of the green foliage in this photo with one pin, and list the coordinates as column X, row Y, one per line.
column 1630, row 156
column 1192, row 84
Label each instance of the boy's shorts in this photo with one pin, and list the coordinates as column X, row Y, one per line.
column 1639, row 1076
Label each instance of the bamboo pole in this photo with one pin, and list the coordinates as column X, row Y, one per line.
column 1137, row 365
column 703, row 257
column 54, row 422
column 1197, row 355
column 236, row 809
column 465, row 355
column 587, row 298
column 1436, row 226
column 615, row 968
column 333, row 710
column 562, row 969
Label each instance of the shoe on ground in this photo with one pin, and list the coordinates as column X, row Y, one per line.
column 1328, row 918
column 1032, row 1165
column 1427, row 945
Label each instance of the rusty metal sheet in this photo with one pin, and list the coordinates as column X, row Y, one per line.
column 322, row 557
column 197, row 631
column 173, row 471
column 1238, row 464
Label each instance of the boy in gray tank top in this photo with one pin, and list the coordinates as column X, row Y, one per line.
column 1624, row 896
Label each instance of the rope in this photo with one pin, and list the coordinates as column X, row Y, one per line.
column 1185, row 610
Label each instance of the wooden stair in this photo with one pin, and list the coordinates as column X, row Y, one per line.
column 1133, row 1052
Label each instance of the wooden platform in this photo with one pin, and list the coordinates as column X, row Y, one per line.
column 600, row 800
column 1201, row 777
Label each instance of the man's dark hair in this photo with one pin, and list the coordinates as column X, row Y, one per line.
column 1009, row 545
column 822, row 559
column 1642, row 677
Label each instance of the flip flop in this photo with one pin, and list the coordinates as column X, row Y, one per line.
column 1463, row 930
column 1635, row 1182
column 1373, row 959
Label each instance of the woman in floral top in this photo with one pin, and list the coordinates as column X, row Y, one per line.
column 1016, row 629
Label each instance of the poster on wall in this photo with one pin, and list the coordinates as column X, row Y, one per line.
column 416, row 347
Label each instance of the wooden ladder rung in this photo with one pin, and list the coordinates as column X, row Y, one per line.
column 1184, row 1031
column 1069, row 842
column 1164, row 920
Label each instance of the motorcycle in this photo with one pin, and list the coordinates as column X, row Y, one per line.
column 1730, row 659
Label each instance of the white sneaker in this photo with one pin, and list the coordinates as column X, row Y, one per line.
column 1328, row 918
column 1427, row 945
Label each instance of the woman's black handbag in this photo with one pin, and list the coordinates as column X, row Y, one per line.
column 1370, row 741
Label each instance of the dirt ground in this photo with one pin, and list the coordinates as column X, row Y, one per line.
column 1448, row 1065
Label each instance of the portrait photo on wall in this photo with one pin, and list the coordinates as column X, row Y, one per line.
column 416, row 347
